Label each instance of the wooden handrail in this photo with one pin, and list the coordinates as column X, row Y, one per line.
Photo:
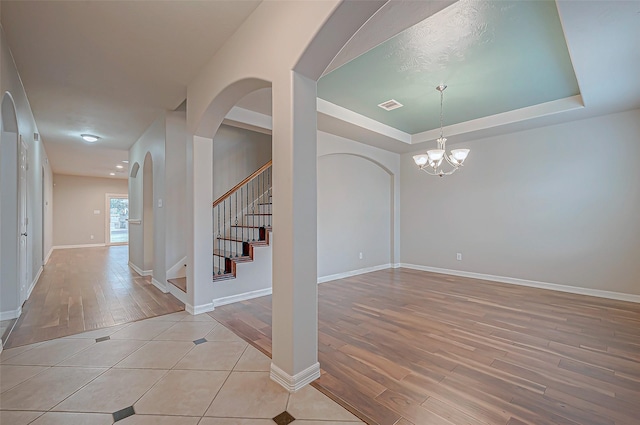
column 242, row 183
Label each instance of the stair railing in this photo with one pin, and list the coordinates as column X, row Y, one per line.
column 238, row 218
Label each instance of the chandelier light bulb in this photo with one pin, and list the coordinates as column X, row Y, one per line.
column 460, row 154
column 435, row 155
column 421, row 160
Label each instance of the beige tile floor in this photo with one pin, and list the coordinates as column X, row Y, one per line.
column 154, row 366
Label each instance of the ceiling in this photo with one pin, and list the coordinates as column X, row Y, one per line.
column 509, row 66
column 109, row 68
column 464, row 46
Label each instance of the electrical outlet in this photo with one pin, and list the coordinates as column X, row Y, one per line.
column 459, row 256
column 361, row 256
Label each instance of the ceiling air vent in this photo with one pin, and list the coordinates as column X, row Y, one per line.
column 390, row 105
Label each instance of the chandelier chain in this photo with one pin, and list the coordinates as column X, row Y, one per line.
column 441, row 114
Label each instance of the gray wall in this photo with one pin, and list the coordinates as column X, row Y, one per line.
column 354, row 214
column 557, row 204
column 152, row 141
column 75, row 198
column 358, row 206
column 39, row 230
column 236, row 154
column 176, row 187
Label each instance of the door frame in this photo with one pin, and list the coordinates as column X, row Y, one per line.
column 107, row 210
column 23, row 221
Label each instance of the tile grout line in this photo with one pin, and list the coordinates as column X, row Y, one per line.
column 163, row 376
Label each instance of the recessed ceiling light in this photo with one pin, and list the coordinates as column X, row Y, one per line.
column 126, row 161
column 89, row 138
column 112, row 174
column 119, row 166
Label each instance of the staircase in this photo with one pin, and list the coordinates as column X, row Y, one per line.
column 241, row 221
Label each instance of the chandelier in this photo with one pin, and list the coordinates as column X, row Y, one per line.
column 431, row 162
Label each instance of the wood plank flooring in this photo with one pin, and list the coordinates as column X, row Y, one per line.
column 408, row 347
column 84, row 289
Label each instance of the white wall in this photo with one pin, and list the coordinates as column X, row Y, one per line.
column 357, row 203
column 176, row 187
column 148, row 212
column 237, row 153
column 153, row 142
column 76, row 198
column 557, row 204
column 38, row 234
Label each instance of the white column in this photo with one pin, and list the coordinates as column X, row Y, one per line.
column 295, row 293
column 200, row 242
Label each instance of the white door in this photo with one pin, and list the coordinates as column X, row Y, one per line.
column 23, row 221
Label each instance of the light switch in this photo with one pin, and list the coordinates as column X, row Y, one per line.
column 96, row 212
column 160, row 203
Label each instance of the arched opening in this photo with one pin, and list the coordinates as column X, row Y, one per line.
column 351, row 187
column 9, row 235
column 294, row 148
column 147, row 214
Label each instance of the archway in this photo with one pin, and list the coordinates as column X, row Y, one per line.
column 9, row 239
column 352, row 186
column 314, row 33
column 147, row 215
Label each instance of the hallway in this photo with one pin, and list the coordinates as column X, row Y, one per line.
column 85, row 289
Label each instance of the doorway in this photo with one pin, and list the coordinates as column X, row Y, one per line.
column 23, row 222
column 11, row 270
column 117, row 221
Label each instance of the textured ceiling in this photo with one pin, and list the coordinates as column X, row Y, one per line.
column 110, row 67
column 495, row 56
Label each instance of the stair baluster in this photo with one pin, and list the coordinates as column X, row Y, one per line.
column 232, row 245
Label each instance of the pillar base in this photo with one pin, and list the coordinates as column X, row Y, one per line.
column 297, row 381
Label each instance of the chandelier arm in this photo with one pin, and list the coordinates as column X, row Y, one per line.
column 436, row 173
column 453, row 164
column 426, row 170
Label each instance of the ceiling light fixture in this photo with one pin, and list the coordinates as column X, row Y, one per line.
column 126, row 161
column 112, row 174
column 431, row 161
column 119, row 166
column 89, row 138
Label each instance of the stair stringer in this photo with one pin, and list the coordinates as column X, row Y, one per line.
column 253, row 278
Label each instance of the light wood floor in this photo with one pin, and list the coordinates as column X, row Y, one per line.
column 84, row 289
column 408, row 347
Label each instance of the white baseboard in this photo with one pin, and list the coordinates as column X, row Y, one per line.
column 241, row 297
column 159, row 285
column 178, row 269
column 46, row 259
column 297, row 381
column 531, row 283
column 354, row 273
column 35, row 280
column 173, row 290
column 11, row 314
column 140, row 271
column 396, row 265
column 198, row 309
column 89, row 245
